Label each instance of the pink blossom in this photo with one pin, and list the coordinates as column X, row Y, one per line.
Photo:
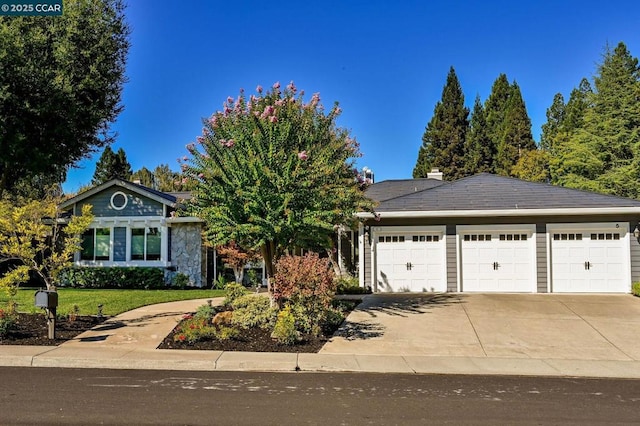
column 273, row 119
column 183, row 167
column 291, row 87
column 230, row 143
column 276, row 85
column 179, row 159
column 280, row 102
column 213, row 120
column 337, row 110
column 200, row 175
column 191, row 146
column 205, row 131
column 302, row 155
column 227, row 111
column 223, row 142
column 229, row 100
column 259, row 89
column 184, row 158
column 184, row 181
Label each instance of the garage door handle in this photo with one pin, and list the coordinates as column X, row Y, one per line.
column 587, row 265
column 496, row 265
column 409, row 266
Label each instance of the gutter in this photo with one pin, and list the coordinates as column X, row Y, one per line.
column 500, row 213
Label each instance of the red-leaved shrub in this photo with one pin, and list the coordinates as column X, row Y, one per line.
column 305, row 276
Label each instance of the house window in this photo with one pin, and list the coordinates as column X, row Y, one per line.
column 145, row 244
column 96, row 244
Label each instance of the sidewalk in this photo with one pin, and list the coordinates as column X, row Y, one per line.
column 128, row 341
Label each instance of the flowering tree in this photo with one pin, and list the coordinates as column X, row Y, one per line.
column 236, row 257
column 274, row 173
column 33, row 238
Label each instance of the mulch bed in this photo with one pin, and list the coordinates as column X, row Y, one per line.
column 255, row 340
column 249, row 340
column 31, row 329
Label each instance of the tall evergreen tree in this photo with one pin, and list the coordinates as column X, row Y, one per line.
column 495, row 108
column 480, row 150
column 603, row 153
column 111, row 166
column 555, row 121
column 517, row 137
column 145, row 176
column 443, row 141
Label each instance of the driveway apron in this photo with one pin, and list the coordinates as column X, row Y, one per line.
column 541, row 326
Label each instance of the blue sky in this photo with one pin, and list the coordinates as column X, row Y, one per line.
column 386, row 62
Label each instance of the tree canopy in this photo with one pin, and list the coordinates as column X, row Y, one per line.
column 443, row 141
column 595, row 142
column 274, row 173
column 60, row 85
column 111, row 165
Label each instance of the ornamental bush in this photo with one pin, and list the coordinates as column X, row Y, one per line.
column 253, row 311
column 308, row 279
column 7, row 321
column 112, row 277
column 234, row 291
column 285, row 329
column 635, row 289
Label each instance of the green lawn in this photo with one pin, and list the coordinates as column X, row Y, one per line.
column 114, row 301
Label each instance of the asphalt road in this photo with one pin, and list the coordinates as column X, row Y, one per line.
column 84, row 396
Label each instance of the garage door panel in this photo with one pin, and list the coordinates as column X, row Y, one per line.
column 502, row 261
column 410, row 261
column 595, row 262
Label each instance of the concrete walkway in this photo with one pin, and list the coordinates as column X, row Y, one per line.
column 504, row 334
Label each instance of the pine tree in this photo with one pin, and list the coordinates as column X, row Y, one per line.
column 480, row 150
column 123, row 168
column 517, row 138
column 145, row 176
column 555, row 121
column 444, row 138
column 603, row 152
column 495, row 108
column 111, row 165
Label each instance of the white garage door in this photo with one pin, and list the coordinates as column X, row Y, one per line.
column 411, row 261
column 498, row 260
column 590, row 260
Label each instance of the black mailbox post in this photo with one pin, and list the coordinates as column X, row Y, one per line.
column 48, row 299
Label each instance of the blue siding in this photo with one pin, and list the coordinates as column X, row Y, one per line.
column 137, row 205
column 119, row 244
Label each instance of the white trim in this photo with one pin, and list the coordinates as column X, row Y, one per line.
column 184, row 219
column 361, row 268
column 126, row 200
column 119, row 183
column 140, row 263
column 503, row 213
column 549, row 265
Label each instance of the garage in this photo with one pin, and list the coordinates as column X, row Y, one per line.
column 410, row 259
column 497, row 259
column 590, row 258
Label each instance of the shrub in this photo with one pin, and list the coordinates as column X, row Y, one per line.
column 226, row 333
column 181, row 280
column 284, row 330
column 234, row 291
column 635, row 288
column 350, row 285
column 194, row 329
column 7, row 321
column 307, row 278
column 253, row 311
column 112, row 277
column 205, row 312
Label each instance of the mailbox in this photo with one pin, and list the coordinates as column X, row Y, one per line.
column 47, row 299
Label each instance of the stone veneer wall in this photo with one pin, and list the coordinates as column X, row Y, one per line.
column 186, row 251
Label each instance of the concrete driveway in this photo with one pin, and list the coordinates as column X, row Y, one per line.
column 544, row 326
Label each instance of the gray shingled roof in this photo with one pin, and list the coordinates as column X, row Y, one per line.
column 490, row 192
column 389, row 189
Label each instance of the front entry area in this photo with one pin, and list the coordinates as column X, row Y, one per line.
column 497, row 258
column 410, row 259
column 590, row 258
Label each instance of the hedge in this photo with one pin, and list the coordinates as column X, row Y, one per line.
column 113, row 277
